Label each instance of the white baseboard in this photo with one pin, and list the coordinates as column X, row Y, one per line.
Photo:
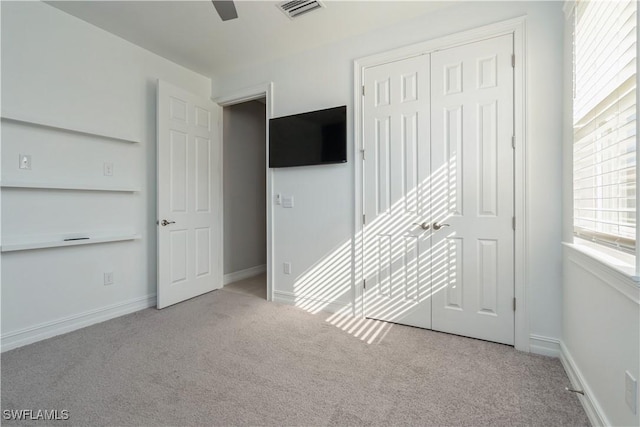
column 243, row 274
column 307, row 303
column 50, row 329
column 545, row 346
column 589, row 403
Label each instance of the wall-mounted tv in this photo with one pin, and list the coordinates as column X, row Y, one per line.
column 313, row 138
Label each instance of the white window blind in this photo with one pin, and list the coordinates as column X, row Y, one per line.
column 604, row 122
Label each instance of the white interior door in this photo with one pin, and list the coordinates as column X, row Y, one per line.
column 438, row 155
column 472, row 187
column 397, row 169
column 189, row 195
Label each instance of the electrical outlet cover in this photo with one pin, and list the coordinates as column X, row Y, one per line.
column 631, row 392
column 108, row 279
column 24, row 161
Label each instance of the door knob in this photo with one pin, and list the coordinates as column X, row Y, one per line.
column 437, row 226
column 424, row 225
column 164, row 222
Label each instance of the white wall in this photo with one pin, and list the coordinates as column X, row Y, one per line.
column 601, row 308
column 601, row 335
column 58, row 68
column 245, row 231
column 316, row 235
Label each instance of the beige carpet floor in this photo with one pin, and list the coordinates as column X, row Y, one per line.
column 231, row 358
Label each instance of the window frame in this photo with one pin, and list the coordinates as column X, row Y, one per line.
column 625, row 256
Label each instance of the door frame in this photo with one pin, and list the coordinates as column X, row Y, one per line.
column 239, row 96
column 516, row 27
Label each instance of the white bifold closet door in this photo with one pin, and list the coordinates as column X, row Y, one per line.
column 397, row 171
column 438, row 191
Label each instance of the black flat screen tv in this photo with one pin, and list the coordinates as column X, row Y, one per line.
column 313, row 138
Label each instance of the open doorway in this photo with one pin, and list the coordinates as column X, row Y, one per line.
column 244, row 191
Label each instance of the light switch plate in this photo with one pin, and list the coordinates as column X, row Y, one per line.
column 287, row 201
column 287, row 268
column 24, row 161
column 108, row 169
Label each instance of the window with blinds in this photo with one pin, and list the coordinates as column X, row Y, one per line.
column 604, row 122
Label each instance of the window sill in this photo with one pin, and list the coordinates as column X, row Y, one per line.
column 621, row 263
column 615, row 271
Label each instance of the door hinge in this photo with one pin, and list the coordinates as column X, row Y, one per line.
column 514, row 304
column 362, row 151
column 513, row 142
column 364, row 219
column 513, row 61
column 513, row 223
column 364, row 284
column 362, row 90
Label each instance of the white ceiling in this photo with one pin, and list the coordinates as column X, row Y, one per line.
column 191, row 33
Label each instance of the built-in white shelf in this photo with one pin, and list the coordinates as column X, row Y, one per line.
column 70, row 187
column 53, row 124
column 11, row 247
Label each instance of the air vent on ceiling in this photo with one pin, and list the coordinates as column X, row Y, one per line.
column 295, row 8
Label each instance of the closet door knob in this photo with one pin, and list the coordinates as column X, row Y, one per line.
column 437, row 226
column 165, row 222
column 424, row 225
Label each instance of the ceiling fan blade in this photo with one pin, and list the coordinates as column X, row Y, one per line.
column 226, row 9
